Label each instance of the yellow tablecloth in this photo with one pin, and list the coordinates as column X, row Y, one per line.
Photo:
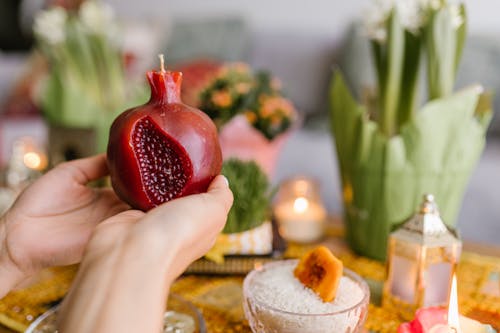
column 219, row 298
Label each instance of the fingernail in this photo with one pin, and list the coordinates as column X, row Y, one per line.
column 225, row 180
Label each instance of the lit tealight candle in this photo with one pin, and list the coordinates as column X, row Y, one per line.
column 299, row 211
column 453, row 324
column 436, row 320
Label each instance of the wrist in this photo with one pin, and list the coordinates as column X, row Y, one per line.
column 130, row 268
column 157, row 254
column 10, row 274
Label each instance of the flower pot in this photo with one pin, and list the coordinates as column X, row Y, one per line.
column 255, row 241
column 376, row 201
column 240, row 140
column 384, row 177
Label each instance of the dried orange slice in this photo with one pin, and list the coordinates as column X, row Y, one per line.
column 321, row 271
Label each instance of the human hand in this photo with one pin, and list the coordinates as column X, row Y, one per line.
column 52, row 220
column 133, row 257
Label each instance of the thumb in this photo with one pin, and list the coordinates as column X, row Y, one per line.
column 220, row 191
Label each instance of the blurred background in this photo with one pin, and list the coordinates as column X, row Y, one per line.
column 300, row 42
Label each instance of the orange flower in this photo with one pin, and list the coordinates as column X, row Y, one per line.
column 267, row 108
column 242, row 87
column 274, row 104
column 251, row 117
column 240, row 67
column 222, row 99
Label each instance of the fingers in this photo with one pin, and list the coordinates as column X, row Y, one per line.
column 195, row 214
column 86, row 169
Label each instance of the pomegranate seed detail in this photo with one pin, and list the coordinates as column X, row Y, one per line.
column 164, row 165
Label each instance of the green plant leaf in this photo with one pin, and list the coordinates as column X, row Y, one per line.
column 461, row 33
column 409, row 81
column 380, row 62
column 484, row 109
column 391, row 92
column 344, row 112
column 51, row 96
column 441, row 44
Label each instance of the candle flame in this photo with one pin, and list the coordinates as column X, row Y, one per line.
column 32, row 160
column 300, row 205
column 453, row 315
column 35, row 161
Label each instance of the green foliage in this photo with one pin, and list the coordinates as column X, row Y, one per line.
column 257, row 95
column 252, row 195
column 86, row 85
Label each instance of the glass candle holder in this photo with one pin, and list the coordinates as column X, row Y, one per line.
column 299, row 210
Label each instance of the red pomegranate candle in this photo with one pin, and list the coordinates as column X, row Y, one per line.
column 163, row 149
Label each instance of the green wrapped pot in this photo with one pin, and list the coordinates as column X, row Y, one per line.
column 384, row 177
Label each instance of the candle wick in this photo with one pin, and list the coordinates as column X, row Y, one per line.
column 162, row 62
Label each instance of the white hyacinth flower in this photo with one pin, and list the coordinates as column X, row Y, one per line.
column 452, row 5
column 456, row 17
column 412, row 14
column 375, row 19
column 49, row 25
column 98, row 18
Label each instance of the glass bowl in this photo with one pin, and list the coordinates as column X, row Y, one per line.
column 181, row 317
column 264, row 318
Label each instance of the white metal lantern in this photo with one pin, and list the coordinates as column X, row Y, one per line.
column 422, row 257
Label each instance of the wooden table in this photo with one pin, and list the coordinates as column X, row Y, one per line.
column 483, row 249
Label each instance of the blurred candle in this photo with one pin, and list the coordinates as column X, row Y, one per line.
column 438, row 320
column 299, row 210
column 33, row 157
column 35, row 160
